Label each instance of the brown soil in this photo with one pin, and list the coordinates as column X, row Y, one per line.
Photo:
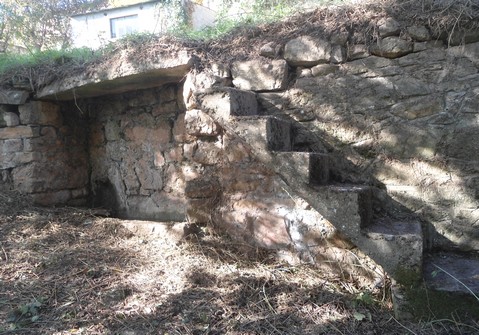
column 67, row 271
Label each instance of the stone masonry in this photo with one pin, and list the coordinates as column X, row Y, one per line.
column 315, row 148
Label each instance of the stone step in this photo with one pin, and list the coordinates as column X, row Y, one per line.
column 308, row 167
column 450, row 286
column 225, row 102
column 449, row 272
column 396, row 245
column 348, row 207
column 264, row 133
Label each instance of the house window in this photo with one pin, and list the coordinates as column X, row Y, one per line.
column 121, row 26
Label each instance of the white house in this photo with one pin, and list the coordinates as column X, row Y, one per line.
column 97, row 28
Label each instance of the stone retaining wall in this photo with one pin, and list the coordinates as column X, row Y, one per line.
column 402, row 113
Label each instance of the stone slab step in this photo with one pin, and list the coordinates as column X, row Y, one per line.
column 308, row 167
column 226, row 102
column 349, row 207
column 396, row 245
column 450, row 272
column 264, row 133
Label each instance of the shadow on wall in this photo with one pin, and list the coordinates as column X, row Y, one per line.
column 406, row 125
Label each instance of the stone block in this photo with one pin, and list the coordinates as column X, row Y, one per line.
column 309, row 168
column 112, row 130
column 226, row 102
column 13, row 97
column 388, row 27
column 391, row 47
column 40, row 113
column 419, row 33
column 323, row 69
column 13, row 145
column 307, row 51
column 338, row 54
column 8, row 119
column 198, row 123
column 13, row 159
column 18, row 132
column 257, row 75
column 265, row 134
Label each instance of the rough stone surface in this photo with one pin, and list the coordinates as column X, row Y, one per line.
column 307, row 51
column 323, row 69
column 391, row 47
column 256, row 75
column 18, row 132
column 198, row 123
column 270, row 50
column 419, row 33
column 226, row 102
column 357, row 51
column 388, row 27
column 7, row 118
column 13, row 97
column 40, row 113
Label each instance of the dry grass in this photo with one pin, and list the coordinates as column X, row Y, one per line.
column 65, row 271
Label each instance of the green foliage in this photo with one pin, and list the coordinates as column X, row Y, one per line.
column 10, row 61
column 41, row 24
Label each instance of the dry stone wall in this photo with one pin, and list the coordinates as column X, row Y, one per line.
column 43, row 151
column 136, row 154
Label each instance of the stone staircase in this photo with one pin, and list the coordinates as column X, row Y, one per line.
column 395, row 244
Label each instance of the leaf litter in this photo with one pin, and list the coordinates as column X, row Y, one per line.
column 69, row 271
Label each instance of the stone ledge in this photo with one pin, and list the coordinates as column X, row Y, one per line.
column 122, row 77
